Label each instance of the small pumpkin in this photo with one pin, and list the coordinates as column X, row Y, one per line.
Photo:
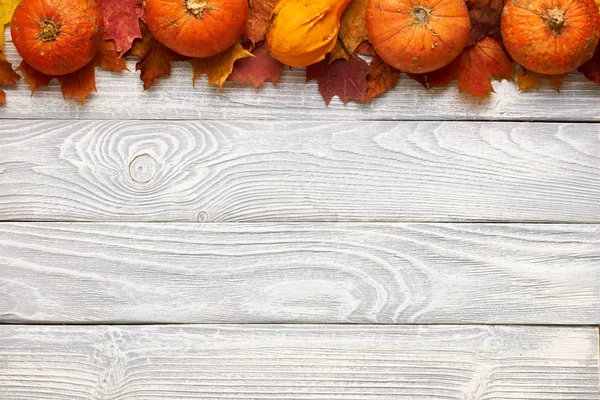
column 550, row 36
column 196, row 28
column 57, row 37
column 302, row 32
column 418, row 36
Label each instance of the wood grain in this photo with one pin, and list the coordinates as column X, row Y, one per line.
column 121, row 96
column 298, row 362
column 299, row 171
column 300, row 273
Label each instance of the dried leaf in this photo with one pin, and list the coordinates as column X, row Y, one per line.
column 7, row 8
column 421, row 78
column 257, row 69
column 591, row 69
column 532, row 80
column 353, row 30
column 258, row 16
column 8, row 77
column 33, row 77
column 381, row 77
column 366, row 49
column 80, row 83
column 220, row 66
column 121, row 22
column 155, row 58
column 109, row 58
column 485, row 19
column 345, row 79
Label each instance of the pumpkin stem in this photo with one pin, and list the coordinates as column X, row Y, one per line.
column 49, row 30
column 420, row 15
column 556, row 20
column 197, row 7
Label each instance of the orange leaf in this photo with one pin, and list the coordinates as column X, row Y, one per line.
column 80, row 83
column 258, row 16
column 8, row 77
column 366, row 49
column 257, row 69
column 381, row 77
column 532, row 80
column 353, row 30
column 33, row 77
column 345, row 79
column 109, row 58
column 220, row 66
column 155, row 58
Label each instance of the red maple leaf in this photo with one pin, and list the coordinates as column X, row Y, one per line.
column 381, row 77
column 257, row 69
column 591, row 69
column 121, row 21
column 8, row 77
column 258, row 17
column 485, row 19
column 345, row 79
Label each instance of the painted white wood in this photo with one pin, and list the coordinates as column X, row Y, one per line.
column 298, row 171
column 300, row 273
column 121, row 96
column 298, row 362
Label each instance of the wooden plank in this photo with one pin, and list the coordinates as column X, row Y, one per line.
column 299, row 171
column 300, row 273
column 298, row 362
column 121, row 96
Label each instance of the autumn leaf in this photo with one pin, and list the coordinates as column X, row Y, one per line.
column 258, row 16
column 532, row 80
column 80, row 83
column 257, row 69
column 345, row 79
column 381, row 77
column 485, row 19
column 8, row 77
column 33, row 77
column 108, row 57
column 353, row 30
column 420, row 78
column 121, row 22
column 366, row 49
column 155, row 58
column 591, row 69
column 220, row 66
column 7, row 8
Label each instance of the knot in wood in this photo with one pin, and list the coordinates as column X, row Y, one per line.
column 143, row 168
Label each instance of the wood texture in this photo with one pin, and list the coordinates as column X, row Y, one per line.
column 299, row 171
column 293, row 362
column 121, row 96
column 300, row 273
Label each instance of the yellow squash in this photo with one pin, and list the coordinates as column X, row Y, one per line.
column 302, row 32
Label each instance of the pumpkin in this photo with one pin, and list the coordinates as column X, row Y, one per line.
column 550, row 36
column 57, row 37
column 418, row 36
column 301, row 32
column 196, row 28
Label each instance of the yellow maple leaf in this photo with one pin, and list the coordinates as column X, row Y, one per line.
column 7, row 7
column 532, row 80
column 220, row 66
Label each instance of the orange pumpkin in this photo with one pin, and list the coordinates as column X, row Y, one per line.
column 57, row 37
column 418, row 36
column 302, row 32
column 196, row 28
column 550, row 36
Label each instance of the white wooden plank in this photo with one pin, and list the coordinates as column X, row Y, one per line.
column 300, row 273
column 298, row 362
column 298, row 171
column 121, row 96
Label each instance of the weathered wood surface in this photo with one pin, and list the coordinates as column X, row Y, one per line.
column 299, row 171
column 298, row 362
column 121, row 96
column 301, row 273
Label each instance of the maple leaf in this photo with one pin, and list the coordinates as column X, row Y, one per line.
column 121, row 21
column 532, row 80
column 108, row 57
column 353, row 30
column 591, row 69
column 346, row 79
column 80, row 83
column 257, row 69
column 8, row 77
column 485, row 19
column 366, row 49
column 155, row 58
column 259, row 13
column 34, row 78
column 381, row 77
column 220, row 66
column 7, row 8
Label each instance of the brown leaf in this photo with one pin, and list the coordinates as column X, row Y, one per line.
column 220, row 66
column 8, row 77
column 485, row 19
column 257, row 69
column 381, row 77
column 33, row 77
column 121, row 21
column 366, row 49
column 531, row 80
column 258, row 17
column 109, row 58
column 346, row 79
column 155, row 58
column 591, row 69
column 353, row 30
column 80, row 83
